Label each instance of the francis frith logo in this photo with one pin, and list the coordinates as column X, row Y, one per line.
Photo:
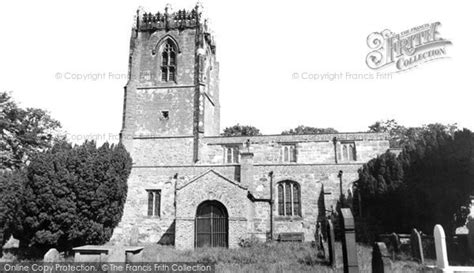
column 407, row 49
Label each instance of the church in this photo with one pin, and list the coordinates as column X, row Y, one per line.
column 191, row 187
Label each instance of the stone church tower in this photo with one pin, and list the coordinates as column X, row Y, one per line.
column 173, row 87
column 190, row 187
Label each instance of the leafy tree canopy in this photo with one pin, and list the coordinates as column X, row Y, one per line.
column 23, row 132
column 401, row 136
column 307, row 130
column 241, row 130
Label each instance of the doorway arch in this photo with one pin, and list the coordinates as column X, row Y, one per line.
column 211, row 225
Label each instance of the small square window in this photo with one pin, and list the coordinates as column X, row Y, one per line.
column 165, row 115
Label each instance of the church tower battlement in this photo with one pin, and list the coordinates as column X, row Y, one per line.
column 173, row 79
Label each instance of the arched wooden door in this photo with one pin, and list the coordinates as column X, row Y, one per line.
column 211, row 225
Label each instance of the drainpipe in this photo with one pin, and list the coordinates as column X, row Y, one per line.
column 175, row 192
column 334, row 140
column 339, row 175
column 271, row 205
column 175, row 177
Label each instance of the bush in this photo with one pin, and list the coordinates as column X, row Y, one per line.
column 74, row 195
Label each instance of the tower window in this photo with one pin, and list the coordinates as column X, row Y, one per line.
column 289, row 199
column 168, row 62
column 154, row 202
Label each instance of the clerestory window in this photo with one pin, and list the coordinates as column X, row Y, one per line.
column 288, row 153
column 347, row 152
column 231, row 154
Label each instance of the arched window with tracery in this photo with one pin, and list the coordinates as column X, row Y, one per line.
column 289, row 198
column 168, row 61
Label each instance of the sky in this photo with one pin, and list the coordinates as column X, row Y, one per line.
column 272, row 54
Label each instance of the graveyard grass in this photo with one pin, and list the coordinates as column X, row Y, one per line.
column 268, row 257
column 261, row 257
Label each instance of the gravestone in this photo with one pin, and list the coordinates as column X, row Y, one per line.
column 320, row 241
column 331, row 243
column 381, row 262
column 52, row 256
column 349, row 247
column 440, row 246
column 395, row 242
column 416, row 246
column 133, row 254
column 10, row 249
column 91, row 254
column 470, row 228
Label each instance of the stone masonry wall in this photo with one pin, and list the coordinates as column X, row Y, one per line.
column 178, row 103
column 150, row 63
column 144, row 100
column 152, row 229
column 311, row 177
column 211, row 186
column 163, row 151
column 309, row 150
column 312, row 180
column 160, row 163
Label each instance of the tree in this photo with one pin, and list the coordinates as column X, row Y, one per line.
column 401, row 136
column 307, row 130
column 428, row 183
column 73, row 195
column 23, row 132
column 11, row 193
column 379, row 185
column 241, row 130
column 398, row 133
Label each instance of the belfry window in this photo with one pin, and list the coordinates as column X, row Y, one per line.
column 289, row 199
column 168, row 62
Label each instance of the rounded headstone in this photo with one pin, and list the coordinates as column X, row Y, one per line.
column 52, row 256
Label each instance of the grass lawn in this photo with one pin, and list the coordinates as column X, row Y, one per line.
column 262, row 257
column 267, row 257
